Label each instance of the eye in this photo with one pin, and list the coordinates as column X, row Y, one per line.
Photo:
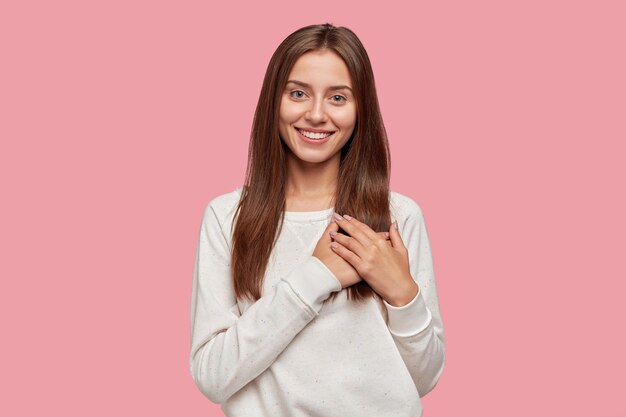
column 297, row 91
column 341, row 98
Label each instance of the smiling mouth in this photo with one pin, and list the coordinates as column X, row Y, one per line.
column 314, row 135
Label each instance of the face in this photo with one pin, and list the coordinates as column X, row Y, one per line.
column 317, row 109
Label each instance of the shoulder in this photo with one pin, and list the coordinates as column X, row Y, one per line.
column 223, row 206
column 225, row 202
column 404, row 207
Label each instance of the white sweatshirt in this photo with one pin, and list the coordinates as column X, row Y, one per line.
column 289, row 354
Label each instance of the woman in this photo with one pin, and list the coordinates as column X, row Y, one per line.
column 296, row 310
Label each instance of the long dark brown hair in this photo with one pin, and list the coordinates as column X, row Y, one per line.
column 363, row 183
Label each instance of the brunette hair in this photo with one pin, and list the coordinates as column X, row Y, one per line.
column 363, row 183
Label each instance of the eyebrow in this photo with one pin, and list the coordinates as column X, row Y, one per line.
column 334, row 87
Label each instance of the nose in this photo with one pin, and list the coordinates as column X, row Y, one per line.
column 316, row 113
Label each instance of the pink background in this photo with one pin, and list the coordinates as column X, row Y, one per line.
column 120, row 120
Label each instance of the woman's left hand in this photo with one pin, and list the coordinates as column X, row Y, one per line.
column 385, row 267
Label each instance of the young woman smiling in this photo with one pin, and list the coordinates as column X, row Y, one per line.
column 297, row 310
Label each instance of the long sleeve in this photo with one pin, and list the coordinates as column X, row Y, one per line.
column 229, row 349
column 416, row 327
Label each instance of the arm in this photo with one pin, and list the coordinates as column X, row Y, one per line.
column 416, row 327
column 229, row 349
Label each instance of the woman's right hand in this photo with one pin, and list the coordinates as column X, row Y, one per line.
column 342, row 269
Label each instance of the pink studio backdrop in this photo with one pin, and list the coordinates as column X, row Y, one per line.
column 121, row 120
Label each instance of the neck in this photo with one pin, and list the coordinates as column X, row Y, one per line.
column 311, row 180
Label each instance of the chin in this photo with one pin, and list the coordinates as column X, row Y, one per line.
column 312, row 156
column 312, row 159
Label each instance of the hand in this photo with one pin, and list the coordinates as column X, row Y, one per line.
column 385, row 267
column 343, row 271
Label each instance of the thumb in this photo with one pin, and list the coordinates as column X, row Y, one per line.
column 394, row 236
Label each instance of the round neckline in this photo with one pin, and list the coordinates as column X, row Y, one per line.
column 302, row 216
column 308, row 215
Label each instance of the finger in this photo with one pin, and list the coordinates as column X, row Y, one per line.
column 358, row 230
column 349, row 242
column 365, row 228
column 331, row 227
column 346, row 254
column 394, row 234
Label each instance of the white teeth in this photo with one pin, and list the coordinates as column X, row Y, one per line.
column 313, row 135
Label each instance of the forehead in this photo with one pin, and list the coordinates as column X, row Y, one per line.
column 321, row 68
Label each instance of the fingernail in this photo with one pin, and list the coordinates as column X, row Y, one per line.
column 387, row 235
column 395, row 224
column 345, row 216
column 337, row 216
column 332, row 233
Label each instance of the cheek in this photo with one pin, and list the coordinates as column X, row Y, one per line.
column 283, row 117
column 288, row 111
column 346, row 118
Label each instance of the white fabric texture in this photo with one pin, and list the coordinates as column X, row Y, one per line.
column 291, row 354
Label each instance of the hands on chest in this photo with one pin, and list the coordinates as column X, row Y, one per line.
column 366, row 254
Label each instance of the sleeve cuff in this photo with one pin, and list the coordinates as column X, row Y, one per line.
column 409, row 319
column 313, row 282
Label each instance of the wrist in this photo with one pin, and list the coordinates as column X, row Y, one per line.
column 404, row 296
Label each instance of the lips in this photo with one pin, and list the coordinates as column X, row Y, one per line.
column 307, row 129
column 313, row 141
column 314, row 135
